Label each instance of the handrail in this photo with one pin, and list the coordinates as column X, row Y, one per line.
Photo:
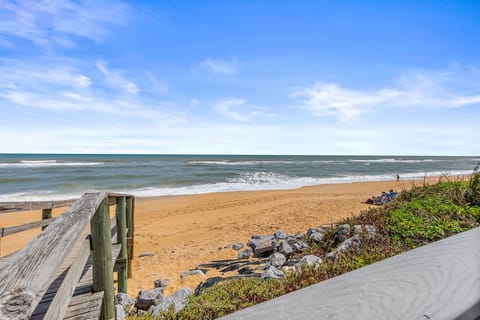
column 26, row 275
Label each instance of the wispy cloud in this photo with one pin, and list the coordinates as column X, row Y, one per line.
column 48, row 23
column 454, row 87
column 239, row 110
column 224, row 67
column 52, row 86
column 117, row 79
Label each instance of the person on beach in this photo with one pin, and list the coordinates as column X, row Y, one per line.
column 398, row 177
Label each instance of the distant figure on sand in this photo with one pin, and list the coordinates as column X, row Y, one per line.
column 398, row 177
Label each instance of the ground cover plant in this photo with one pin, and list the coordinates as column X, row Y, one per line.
column 418, row 216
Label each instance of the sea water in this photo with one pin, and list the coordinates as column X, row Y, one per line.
column 60, row 176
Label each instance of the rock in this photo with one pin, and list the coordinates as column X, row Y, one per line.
column 158, row 295
column 245, row 254
column 315, row 230
column 258, row 237
column 309, row 260
column 161, row 283
column 280, row 235
column 288, row 269
column 367, row 230
column 124, row 300
column 179, row 300
column 262, row 247
column 120, row 312
column 277, row 260
column 194, row 272
column 142, row 313
column 146, row 254
column 285, row 249
column 347, row 243
column 298, row 236
column 145, row 299
column 331, row 255
column 298, row 245
column 344, row 231
column 272, row 273
column 316, row 236
column 237, row 246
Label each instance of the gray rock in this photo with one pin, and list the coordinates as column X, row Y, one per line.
column 124, row 300
column 285, row 249
column 146, row 254
column 245, row 254
column 280, row 235
column 316, row 236
column 331, row 255
column 262, row 247
column 367, row 230
column 347, row 243
column 315, row 230
column 120, row 312
column 145, row 299
column 158, row 295
column 298, row 236
column 344, row 231
column 309, row 260
column 277, row 260
column 179, row 300
column 194, row 272
column 299, row 246
column 161, row 283
column 237, row 246
column 258, row 237
column 272, row 273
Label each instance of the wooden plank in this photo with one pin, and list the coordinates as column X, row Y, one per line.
column 33, row 205
column 102, row 259
column 121, row 217
column 27, row 226
column 130, row 233
column 88, row 304
column 27, row 275
column 438, row 281
column 62, row 297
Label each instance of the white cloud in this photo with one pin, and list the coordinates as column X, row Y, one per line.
column 52, row 86
column 454, row 87
column 48, row 23
column 227, row 107
column 220, row 66
column 116, row 79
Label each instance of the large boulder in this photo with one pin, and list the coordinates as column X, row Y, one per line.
column 285, row 249
column 179, row 300
column 309, row 260
column 280, row 235
column 365, row 230
column 272, row 273
column 348, row 243
column 344, row 231
column 145, row 300
column 262, row 247
column 277, row 260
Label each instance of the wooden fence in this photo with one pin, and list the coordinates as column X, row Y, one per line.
column 67, row 271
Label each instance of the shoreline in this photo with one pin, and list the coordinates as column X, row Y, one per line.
column 183, row 231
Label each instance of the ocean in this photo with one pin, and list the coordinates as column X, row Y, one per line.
column 35, row 177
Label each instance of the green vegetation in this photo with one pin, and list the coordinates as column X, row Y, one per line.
column 418, row 216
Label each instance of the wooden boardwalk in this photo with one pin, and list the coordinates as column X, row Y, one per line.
column 439, row 281
column 66, row 272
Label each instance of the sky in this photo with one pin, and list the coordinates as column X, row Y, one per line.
column 240, row 77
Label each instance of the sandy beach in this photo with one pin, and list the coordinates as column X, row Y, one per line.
column 184, row 231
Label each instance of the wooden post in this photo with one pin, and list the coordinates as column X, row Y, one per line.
column 121, row 216
column 102, row 259
column 130, row 235
column 46, row 214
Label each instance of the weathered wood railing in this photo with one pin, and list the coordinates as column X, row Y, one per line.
column 66, row 272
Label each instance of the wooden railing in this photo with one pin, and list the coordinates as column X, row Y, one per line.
column 67, row 270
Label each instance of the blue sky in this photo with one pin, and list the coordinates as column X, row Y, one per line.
column 240, row 77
